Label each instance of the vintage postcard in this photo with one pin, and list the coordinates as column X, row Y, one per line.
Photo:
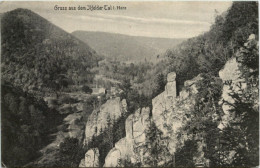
column 129, row 84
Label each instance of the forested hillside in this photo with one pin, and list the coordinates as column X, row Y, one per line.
column 39, row 60
column 196, row 107
column 36, row 55
column 126, row 48
column 26, row 125
column 213, row 118
column 208, row 52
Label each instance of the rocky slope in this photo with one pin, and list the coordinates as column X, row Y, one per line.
column 128, row 148
column 171, row 114
column 91, row 158
column 168, row 114
column 97, row 121
column 234, row 81
column 23, row 125
column 230, row 74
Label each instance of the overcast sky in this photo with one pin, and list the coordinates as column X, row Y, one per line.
column 153, row 19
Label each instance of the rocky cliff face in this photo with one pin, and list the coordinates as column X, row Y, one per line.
column 233, row 81
column 113, row 109
column 131, row 148
column 91, row 158
column 169, row 114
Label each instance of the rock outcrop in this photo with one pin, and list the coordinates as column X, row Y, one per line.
column 231, row 78
column 169, row 114
column 113, row 109
column 130, row 148
column 113, row 158
column 233, row 81
column 91, row 158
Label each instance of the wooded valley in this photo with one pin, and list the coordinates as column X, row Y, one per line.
column 83, row 100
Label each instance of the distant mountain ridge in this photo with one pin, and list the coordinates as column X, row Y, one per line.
column 127, row 48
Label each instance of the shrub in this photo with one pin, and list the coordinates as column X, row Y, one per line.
column 86, row 89
column 70, row 153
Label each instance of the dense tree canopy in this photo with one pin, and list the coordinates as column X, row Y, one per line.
column 210, row 51
column 40, row 55
column 23, row 125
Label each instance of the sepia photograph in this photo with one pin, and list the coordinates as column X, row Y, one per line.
column 129, row 84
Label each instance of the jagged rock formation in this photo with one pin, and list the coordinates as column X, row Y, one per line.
column 233, row 81
column 126, row 149
column 169, row 113
column 113, row 109
column 231, row 77
column 91, row 158
column 170, row 87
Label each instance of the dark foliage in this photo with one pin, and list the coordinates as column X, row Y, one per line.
column 184, row 156
column 86, row 89
column 67, row 100
column 70, row 153
column 108, row 137
column 156, row 146
column 240, row 22
column 242, row 136
column 206, row 116
column 134, row 99
column 40, row 55
column 210, row 51
column 249, row 58
column 24, row 128
column 160, row 84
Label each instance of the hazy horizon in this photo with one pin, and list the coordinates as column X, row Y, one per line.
column 125, row 34
column 147, row 19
